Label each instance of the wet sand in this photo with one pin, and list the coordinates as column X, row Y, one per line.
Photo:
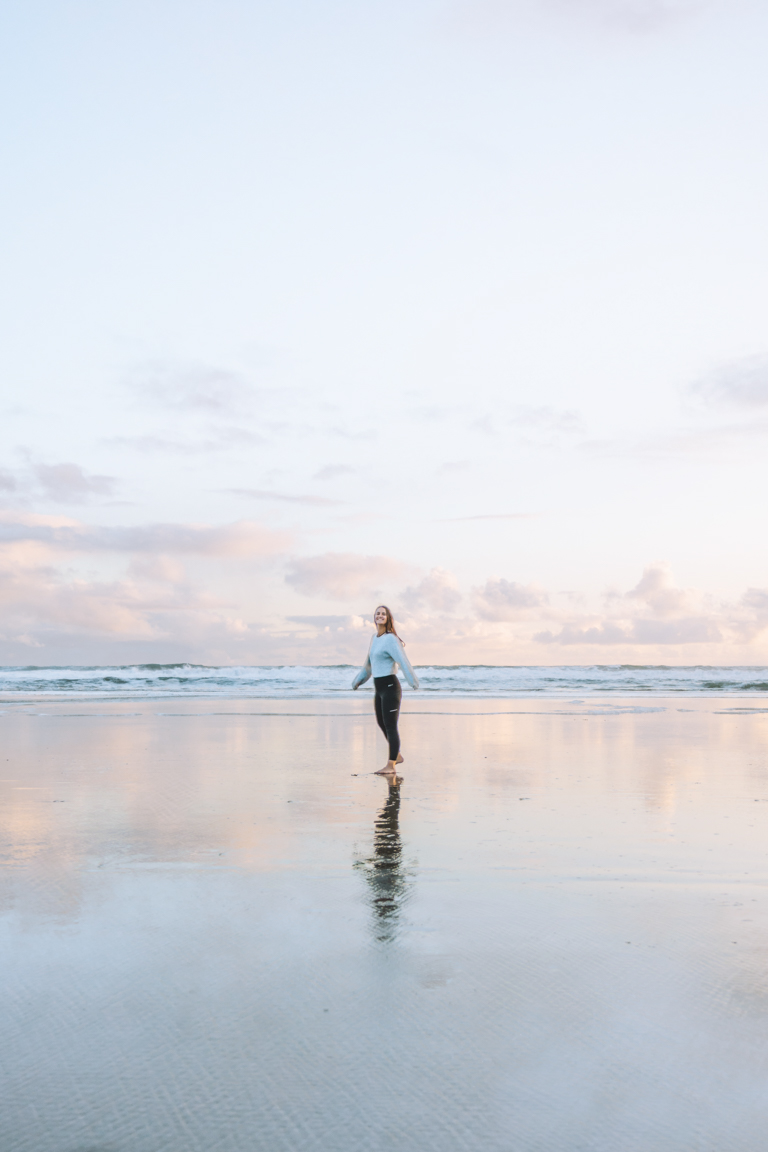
column 220, row 931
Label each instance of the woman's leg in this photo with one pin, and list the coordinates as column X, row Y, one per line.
column 377, row 706
column 390, row 708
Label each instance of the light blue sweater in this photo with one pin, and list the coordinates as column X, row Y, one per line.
column 384, row 655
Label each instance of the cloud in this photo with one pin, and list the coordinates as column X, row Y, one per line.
column 69, row 484
column 657, row 591
column 349, row 434
column 265, row 494
column 217, row 440
column 629, row 16
column 724, row 438
column 685, row 630
column 654, row 612
column 429, row 413
column 157, row 568
column 344, row 575
column 740, row 383
column 332, row 471
column 757, row 599
column 242, row 538
column 490, row 516
column 751, row 615
column 210, row 408
column 541, row 425
column 40, row 604
column 75, row 616
column 730, row 408
column 193, row 388
column 454, row 466
column 329, row 623
column 154, row 613
column 436, row 592
column 692, row 630
column 65, row 483
column 507, row 600
column 549, row 419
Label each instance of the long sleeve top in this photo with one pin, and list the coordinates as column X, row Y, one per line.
column 384, row 655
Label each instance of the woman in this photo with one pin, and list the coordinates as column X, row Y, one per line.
column 384, row 655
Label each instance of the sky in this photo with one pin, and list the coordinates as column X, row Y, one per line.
column 455, row 305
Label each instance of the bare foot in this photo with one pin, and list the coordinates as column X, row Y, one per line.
column 387, row 770
column 399, row 759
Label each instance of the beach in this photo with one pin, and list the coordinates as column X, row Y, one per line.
column 416, row 340
column 222, row 931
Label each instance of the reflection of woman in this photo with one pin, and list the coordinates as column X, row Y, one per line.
column 384, row 655
column 384, row 871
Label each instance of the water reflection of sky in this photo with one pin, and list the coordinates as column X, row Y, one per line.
column 578, row 903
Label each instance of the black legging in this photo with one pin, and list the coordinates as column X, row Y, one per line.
column 387, row 705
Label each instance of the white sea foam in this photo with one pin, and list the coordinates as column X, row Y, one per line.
column 159, row 681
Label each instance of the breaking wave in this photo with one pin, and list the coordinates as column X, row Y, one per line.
column 141, row 681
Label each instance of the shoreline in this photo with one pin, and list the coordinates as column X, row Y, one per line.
column 606, row 704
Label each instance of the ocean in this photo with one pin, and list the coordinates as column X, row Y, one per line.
column 166, row 681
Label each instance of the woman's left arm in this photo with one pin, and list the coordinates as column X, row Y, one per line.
column 405, row 664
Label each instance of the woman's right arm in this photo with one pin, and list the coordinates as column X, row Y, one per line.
column 364, row 673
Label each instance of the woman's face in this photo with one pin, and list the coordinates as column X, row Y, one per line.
column 380, row 617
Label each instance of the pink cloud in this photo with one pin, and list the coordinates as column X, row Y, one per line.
column 153, row 610
column 344, row 575
column 152, row 603
column 657, row 591
column 656, row 612
column 692, row 630
column 437, row 592
column 507, row 600
column 242, row 538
